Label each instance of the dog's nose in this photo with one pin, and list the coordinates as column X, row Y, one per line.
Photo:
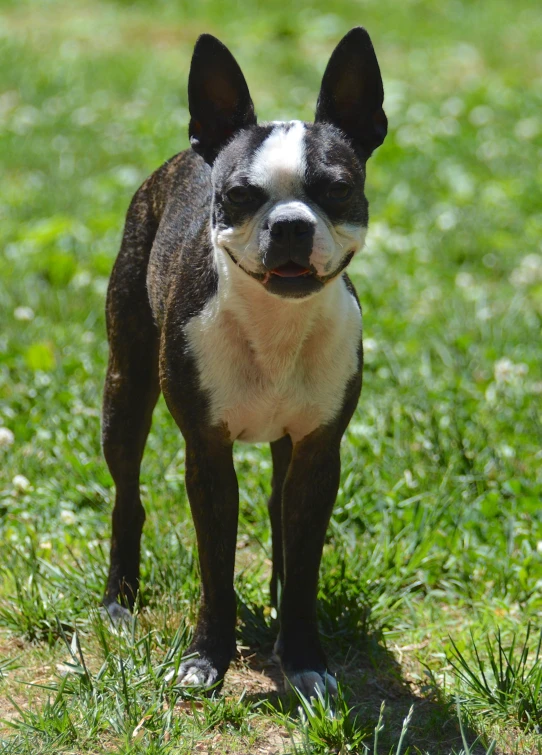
column 286, row 232
column 287, row 238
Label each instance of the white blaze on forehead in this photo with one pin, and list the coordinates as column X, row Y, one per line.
column 279, row 164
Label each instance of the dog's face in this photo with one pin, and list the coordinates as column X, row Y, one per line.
column 289, row 205
column 288, row 198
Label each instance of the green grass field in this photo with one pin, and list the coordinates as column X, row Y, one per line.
column 431, row 582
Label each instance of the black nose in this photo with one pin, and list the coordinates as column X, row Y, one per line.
column 288, row 231
column 287, row 239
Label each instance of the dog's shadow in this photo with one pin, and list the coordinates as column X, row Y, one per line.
column 369, row 674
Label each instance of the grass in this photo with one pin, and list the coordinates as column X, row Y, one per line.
column 328, row 725
column 430, row 590
column 508, row 683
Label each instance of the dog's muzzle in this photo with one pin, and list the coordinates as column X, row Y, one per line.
column 286, row 246
column 287, row 241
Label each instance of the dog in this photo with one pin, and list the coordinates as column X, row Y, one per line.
column 229, row 295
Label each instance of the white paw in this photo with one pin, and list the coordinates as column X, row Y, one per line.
column 308, row 682
column 192, row 677
column 197, row 673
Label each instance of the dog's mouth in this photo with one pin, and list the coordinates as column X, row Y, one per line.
column 292, row 280
column 291, row 270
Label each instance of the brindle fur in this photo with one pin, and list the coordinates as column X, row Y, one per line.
column 163, row 276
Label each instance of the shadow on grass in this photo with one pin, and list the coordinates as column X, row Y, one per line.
column 369, row 674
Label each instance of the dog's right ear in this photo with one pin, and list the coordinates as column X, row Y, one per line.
column 218, row 98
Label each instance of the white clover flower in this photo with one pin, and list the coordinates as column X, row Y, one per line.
column 82, row 279
column 21, row 483
column 464, row 280
column 6, row 437
column 25, row 314
column 506, row 371
column 528, row 272
column 67, row 516
column 484, row 314
column 370, row 345
column 409, row 479
column 447, row 219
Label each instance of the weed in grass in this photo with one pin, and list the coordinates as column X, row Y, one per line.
column 52, row 724
column 32, row 609
column 129, row 694
column 326, row 724
column 226, row 714
column 503, row 678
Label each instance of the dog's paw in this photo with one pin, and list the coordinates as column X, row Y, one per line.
column 309, row 682
column 116, row 614
column 198, row 672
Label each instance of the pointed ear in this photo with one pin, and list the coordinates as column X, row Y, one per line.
column 218, row 98
column 352, row 94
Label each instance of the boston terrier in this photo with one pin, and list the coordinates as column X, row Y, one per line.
column 230, row 296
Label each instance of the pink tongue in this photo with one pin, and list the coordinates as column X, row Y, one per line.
column 290, row 270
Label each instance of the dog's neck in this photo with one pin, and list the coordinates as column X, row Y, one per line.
column 277, row 329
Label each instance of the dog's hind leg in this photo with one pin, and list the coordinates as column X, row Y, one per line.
column 281, row 451
column 131, row 392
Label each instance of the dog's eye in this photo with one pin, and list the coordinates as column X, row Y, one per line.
column 240, row 195
column 339, row 192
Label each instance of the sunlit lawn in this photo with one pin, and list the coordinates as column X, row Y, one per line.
column 436, row 538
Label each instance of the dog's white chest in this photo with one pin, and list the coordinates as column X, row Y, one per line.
column 270, row 367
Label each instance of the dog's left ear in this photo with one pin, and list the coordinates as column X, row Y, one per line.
column 352, row 93
column 218, row 98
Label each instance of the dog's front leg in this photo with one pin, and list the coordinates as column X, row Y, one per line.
column 309, row 493
column 212, row 489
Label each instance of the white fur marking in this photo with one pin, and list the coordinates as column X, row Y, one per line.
column 193, row 678
column 274, row 366
column 333, row 243
column 279, row 164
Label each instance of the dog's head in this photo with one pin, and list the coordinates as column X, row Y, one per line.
column 288, row 197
